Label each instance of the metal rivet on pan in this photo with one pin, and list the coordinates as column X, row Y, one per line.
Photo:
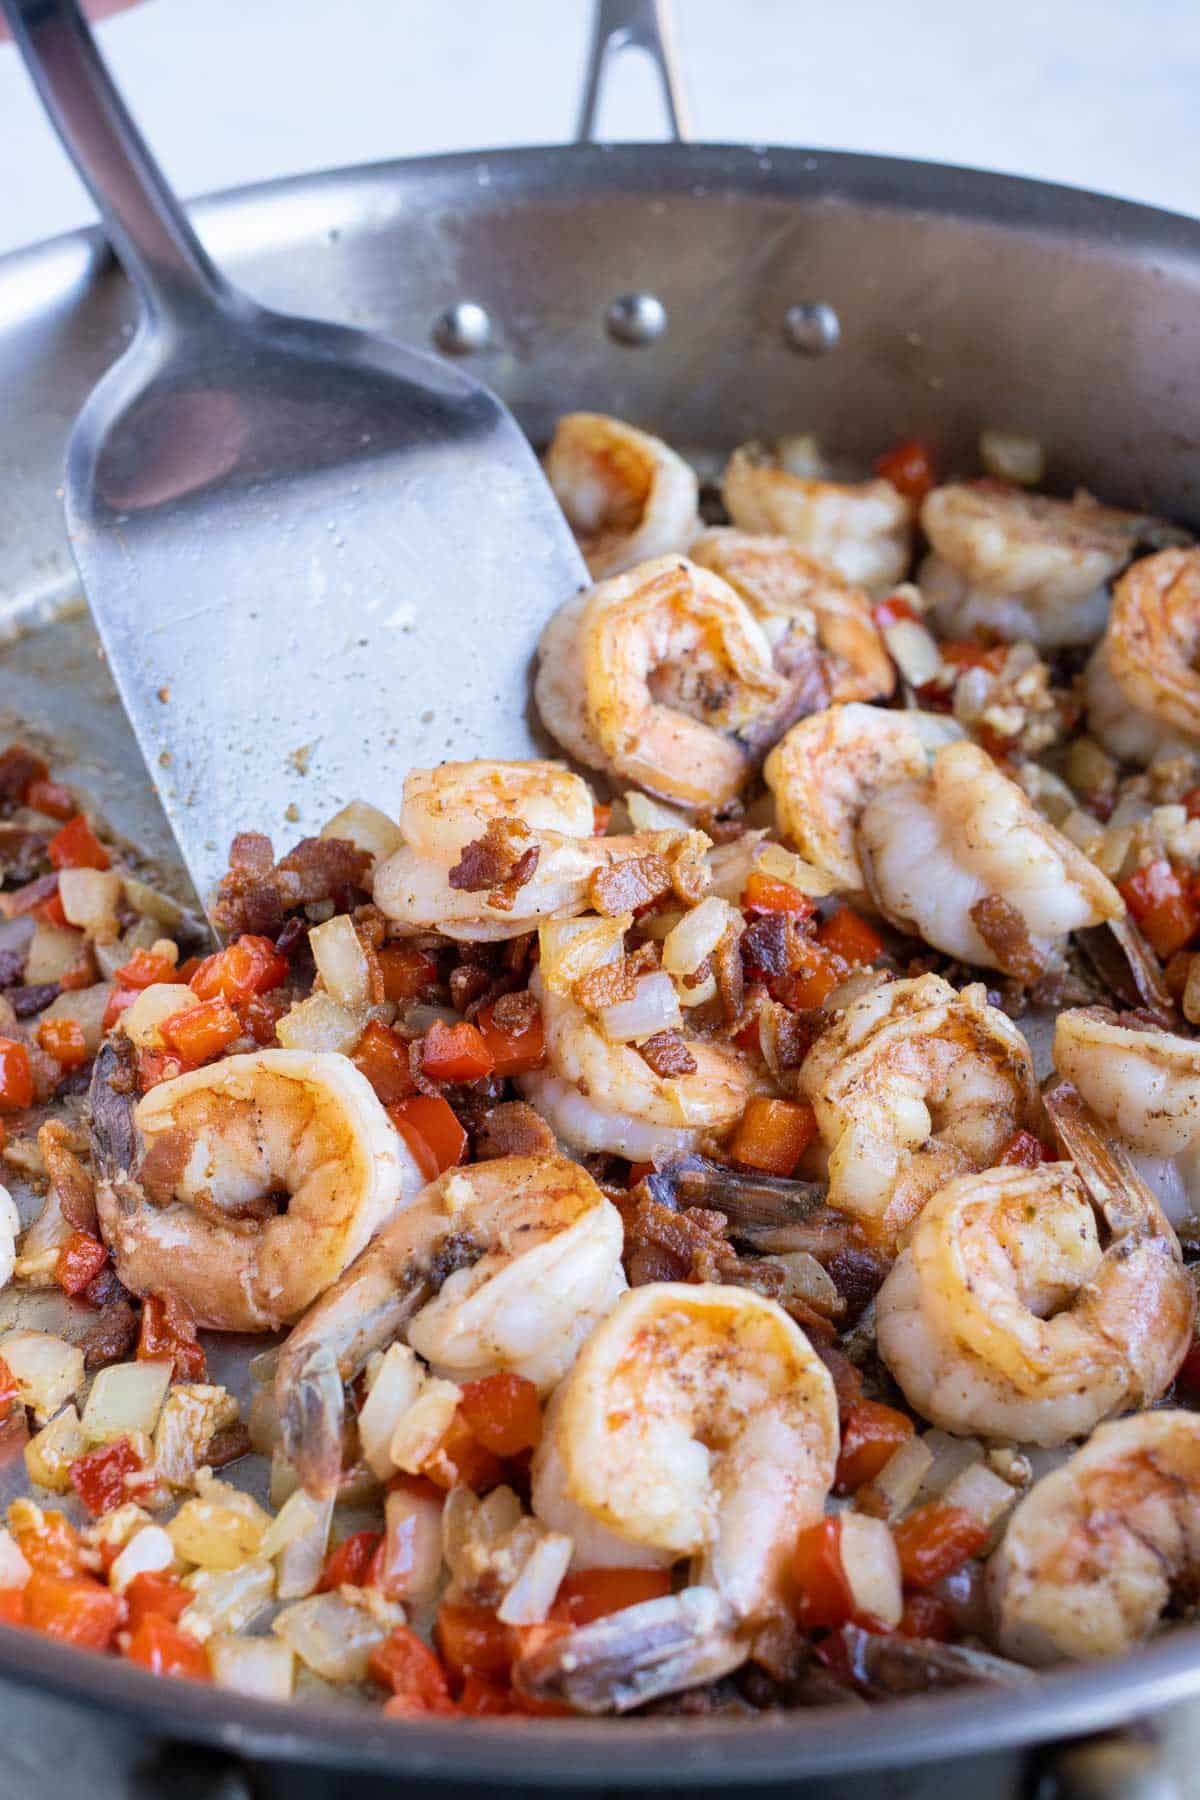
column 462, row 328
column 636, row 319
column 812, row 328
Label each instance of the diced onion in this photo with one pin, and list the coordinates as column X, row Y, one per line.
column 412, row 1545
column 47, row 1370
column 90, row 898
column 872, row 1567
column 49, row 1455
column 979, row 1490
column 332, row 1636
column 191, row 1413
column 319, row 1023
column 142, row 1021
column 227, row 1599
column 697, row 935
column 899, row 1481
column 364, row 826
column 784, row 865
column 264, row 1667
column 807, row 1280
column 14, row 1570
column 155, row 905
column 572, row 948
column 646, row 814
column 87, row 1007
column 220, row 1529
column 421, row 1428
column 801, row 455
column 532, row 1594
column 950, row 1454
column 653, row 1008
column 263, row 1422
column 297, row 1515
column 1012, row 456
column 303, row 1557
column 125, row 1397
column 149, row 1551
column 394, row 1389
column 53, row 950
column 342, row 962
column 913, row 651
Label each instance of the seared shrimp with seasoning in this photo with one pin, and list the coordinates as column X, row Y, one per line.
column 699, row 1423
column 819, row 624
column 244, row 1188
column 504, row 1265
column 627, row 495
column 1009, row 1317
column 1142, row 684
column 663, row 678
column 863, row 529
column 1094, row 1552
column 962, row 859
column 1022, row 565
column 912, row 1084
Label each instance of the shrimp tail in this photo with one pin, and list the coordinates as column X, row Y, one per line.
column 638, row 1654
column 111, row 1099
column 311, row 1420
column 1103, row 1163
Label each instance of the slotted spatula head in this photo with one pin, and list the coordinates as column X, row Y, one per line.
column 315, row 558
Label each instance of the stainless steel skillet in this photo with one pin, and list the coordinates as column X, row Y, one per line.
column 859, row 297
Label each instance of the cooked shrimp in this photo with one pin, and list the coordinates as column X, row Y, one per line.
column 962, row 859
column 627, row 495
column 1006, row 1317
column 1145, row 1086
column 913, row 1084
column 1090, row 1557
column 599, row 1095
column 660, row 676
column 191, row 1178
column 1022, row 565
column 819, row 624
column 699, row 1422
column 829, row 766
column 502, row 1265
column 1143, row 681
column 539, row 865
column 863, row 529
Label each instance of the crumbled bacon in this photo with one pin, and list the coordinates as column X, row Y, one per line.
column 690, row 876
column 114, row 1334
column 22, row 853
column 629, row 886
column 513, row 1129
column 26, row 1001
column 72, row 1181
column 664, row 1245
column 320, row 869
column 616, row 981
column 668, row 1055
column 469, row 983
column 1004, row 931
column 730, row 974
column 257, row 893
column 227, row 1446
column 499, row 863
column 18, row 767
column 858, row 1276
column 515, row 1013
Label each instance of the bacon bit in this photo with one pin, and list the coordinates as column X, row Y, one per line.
column 19, row 768
column 616, row 981
column 668, row 1055
column 513, row 1128
column 1004, row 931
column 1024, row 1151
column 469, row 982
column 662, row 1245
column 770, row 945
column 26, row 1002
column 629, row 886
column 500, row 863
column 51, row 798
column 730, row 974
column 256, row 893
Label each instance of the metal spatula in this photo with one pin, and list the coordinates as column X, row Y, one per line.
column 315, row 558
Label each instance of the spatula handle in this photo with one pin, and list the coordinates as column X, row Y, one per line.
column 144, row 221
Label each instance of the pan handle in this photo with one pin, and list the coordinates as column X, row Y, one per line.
column 619, row 25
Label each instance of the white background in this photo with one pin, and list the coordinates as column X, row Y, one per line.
column 1100, row 95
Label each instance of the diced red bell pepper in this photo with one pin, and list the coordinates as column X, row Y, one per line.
column 119, row 1001
column 472, row 1637
column 154, row 1595
column 429, row 1127
column 250, row 965
column 76, row 846
column 161, row 1647
column 763, row 893
column 1162, row 906
column 79, row 1261
column 1191, row 803
column 773, row 1135
column 51, row 798
column 824, row 1598
column 512, row 1052
column 75, row 1609
column 99, row 1476
column 50, row 911
column 159, row 1065
column 12, row 1606
column 383, row 1059
column 63, row 1039
column 412, row 1671
column 503, row 1413
column 483, row 1696
column 925, row 1616
column 459, row 1459
column 909, row 468
column 167, row 1333
column 595, row 1593
column 407, row 972
column 455, row 1053
column 349, row 1564
column 144, row 969
column 849, row 936
column 19, row 769
column 16, row 1076
column 892, row 610
column 9, row 1391
column 934, row 1540
column 812, row 983
column 201, row 1032
column 871, row 1434
column 601, row 815
column 1024, row 1151
column 53, row 1545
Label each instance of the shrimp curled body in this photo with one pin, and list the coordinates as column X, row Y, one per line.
column 1090, row 1556
column 862, row 529
column 627, row 495
column 1142, row 684
column 189, row 1177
